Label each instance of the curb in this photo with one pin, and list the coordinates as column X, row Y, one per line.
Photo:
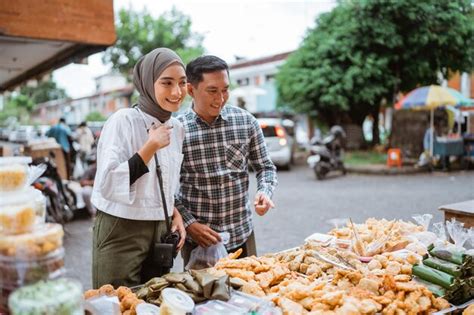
column 383, row 170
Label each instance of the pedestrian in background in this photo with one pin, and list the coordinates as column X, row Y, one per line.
column 62, row 134
column 86, row 139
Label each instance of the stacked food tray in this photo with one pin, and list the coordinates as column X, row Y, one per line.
column 30, row 249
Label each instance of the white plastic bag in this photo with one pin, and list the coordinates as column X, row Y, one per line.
column 206, row 257
column 78, row 168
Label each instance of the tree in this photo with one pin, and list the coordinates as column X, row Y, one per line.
column 43, row 92
column 139, row 33
column 364, row 52
column 19, row 106
column 95, row 116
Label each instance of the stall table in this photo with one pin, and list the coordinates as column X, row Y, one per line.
column 446, row 147
column 461, row 211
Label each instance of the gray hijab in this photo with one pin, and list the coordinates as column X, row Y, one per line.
column 145, row 73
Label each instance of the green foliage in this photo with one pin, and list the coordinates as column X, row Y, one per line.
column 95, row 116
column 43, row 92
column 139, row 33
column 19, row 106
column 366, row 51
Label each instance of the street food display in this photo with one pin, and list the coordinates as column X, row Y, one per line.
column 30, row 249
column 375, row 267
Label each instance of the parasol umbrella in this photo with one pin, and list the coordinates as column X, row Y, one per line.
column 431, row 97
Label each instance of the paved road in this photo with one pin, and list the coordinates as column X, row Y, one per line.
column 304, row 206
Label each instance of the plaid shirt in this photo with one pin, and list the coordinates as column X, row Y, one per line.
column 214, row 173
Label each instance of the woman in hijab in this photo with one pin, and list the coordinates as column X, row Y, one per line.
column 130, row 216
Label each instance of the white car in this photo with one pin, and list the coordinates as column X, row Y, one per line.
column 279, row 143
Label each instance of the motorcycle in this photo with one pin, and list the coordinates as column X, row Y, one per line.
column 61, row 200
column 327, row 154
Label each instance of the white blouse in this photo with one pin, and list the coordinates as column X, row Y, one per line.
column 124, row 133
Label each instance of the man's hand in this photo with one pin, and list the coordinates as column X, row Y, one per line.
column 178, row 225
column 262, row 203
column 203, row 235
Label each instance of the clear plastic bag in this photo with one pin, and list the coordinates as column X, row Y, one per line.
column 439, row 229
column 202, row 257
column 457, row 232
column 423, row 220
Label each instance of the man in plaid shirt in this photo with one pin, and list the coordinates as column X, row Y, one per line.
column 220, row 144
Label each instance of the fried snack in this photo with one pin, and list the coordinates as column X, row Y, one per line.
column 107, row 289
column 90, row 293
column 122, row 292
column 235, row 254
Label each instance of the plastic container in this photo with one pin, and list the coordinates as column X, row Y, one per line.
column 248, row 302
column 39, row 201
column 16, row 272
column 61, row 296
column 42, row 240
column 18, row 212
column 13, row 173
column 175, row 302
column 147, row 309
column 218, row 308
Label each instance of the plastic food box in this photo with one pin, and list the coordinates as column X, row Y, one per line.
column 248, row 302
column 42, row 240
column 13, row 173
column 216, row 307
column 16, row 272
column 20, row 211
column 61, row 296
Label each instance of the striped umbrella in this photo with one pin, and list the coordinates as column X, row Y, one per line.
column 431, row 97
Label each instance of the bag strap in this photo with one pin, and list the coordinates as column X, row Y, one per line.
column 162, row 194
column 160, row 178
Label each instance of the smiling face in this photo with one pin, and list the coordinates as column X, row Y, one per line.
column 210, row 95
column 170, row 88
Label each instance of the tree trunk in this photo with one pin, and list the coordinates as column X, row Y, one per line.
column 375, row 125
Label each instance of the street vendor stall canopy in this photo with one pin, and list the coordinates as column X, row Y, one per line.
column 37, row 37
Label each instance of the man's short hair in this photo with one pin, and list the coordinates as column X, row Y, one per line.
column 62, row 120
column 204, row 64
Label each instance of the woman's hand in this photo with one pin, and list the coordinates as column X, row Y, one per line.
column 178, row 225
column 158, row 138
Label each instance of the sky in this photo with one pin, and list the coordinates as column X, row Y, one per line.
column 244, row 28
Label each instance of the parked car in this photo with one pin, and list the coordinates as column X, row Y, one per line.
column 279, row 142
column 22, row 134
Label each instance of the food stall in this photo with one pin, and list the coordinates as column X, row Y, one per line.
column 377, row 266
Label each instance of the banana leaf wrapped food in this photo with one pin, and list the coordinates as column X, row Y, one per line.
column 444, row 265
column 437, row 290
column 450, row 254
column 434, row 276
